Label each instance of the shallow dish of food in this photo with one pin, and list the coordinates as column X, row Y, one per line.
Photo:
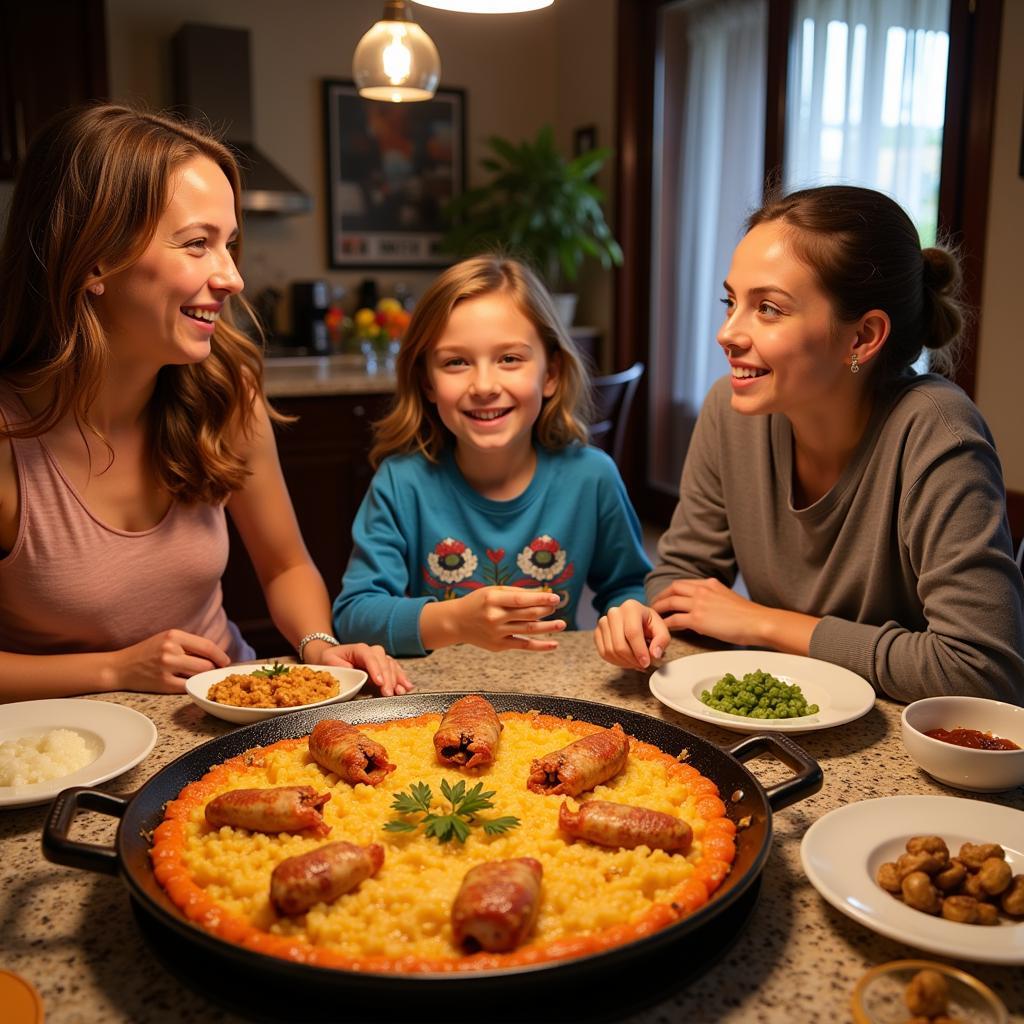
column 844, row 851
column 250, row 693
column 839, row 695
column 894, row 992
column 966, row 742
column 67, row 742
column 411, row 891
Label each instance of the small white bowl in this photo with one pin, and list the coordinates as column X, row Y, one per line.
column 350, row 681
column 981, row 771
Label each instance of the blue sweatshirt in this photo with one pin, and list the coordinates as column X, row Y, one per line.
column 423, row 534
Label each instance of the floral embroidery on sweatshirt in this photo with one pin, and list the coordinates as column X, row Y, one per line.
column 542, row 559
column 451, row 561
column 543, row 563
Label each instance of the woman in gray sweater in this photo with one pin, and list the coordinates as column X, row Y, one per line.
column 862, row 502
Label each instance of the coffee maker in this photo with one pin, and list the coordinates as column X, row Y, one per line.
column 310, row 302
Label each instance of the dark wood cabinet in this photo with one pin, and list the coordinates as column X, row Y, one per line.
column 53, row 55
column 324, row 458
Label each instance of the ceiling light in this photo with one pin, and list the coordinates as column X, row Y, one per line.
column 396, row 60
column 487, row 6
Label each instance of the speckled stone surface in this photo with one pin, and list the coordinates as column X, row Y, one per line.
column 72, row 933
column 323, row 375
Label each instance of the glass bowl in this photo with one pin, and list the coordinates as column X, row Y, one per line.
column 878, row 997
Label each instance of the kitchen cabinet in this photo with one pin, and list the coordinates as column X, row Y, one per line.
column 324, row 459
column 53, row 55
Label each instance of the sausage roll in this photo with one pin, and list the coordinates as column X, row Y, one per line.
column 581, row 765
column 497, row 905
column 322, row 875
column 285, row 809
column 608, row 824
column 341, row 748
column 468, row 734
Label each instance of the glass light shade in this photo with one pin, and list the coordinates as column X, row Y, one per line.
column 396, row 61
column 487, row 6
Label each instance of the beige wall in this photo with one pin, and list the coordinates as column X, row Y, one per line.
column 519, row 72
column 586, row 41
column 1001, row 338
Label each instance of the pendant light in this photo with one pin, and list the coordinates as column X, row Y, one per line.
column 487, row 6
column 396, row 60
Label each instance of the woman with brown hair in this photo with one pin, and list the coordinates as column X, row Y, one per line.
column 862, row 502
column 131, row 415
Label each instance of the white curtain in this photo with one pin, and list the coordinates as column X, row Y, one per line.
column 708, row 161
column 867, row 88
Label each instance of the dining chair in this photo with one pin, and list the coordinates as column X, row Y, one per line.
column 613, row 396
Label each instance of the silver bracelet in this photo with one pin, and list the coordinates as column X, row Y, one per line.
column 310, row 637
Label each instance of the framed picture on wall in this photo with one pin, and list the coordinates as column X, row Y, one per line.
column 391, row 168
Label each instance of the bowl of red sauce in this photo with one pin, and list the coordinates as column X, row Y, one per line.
column 967, row 742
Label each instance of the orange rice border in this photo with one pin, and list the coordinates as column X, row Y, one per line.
column 167, row 854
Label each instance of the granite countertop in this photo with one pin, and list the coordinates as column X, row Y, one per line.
column 73, row 935
column 294, row 376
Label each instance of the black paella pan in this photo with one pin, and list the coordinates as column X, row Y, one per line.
column 328, row 992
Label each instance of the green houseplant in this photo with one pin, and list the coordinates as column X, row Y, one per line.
column 537, row 205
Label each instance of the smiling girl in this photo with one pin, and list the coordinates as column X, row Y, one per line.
column 862, row 502
column 131, row 416
column 488, row 512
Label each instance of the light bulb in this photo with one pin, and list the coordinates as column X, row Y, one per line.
column 396, row 61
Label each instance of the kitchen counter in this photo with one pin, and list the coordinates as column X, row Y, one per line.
column 72, row 933
column 292, row 376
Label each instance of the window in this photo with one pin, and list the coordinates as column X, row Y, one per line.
column 867, row 89
column 865, row 105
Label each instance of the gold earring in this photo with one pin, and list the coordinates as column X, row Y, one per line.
column 96, row 289
column 854, row 364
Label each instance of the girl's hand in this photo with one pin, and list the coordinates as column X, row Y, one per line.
column 631, row 635
column 383, row 671
column 711, row 608
column 495, row 618
column 162, row 663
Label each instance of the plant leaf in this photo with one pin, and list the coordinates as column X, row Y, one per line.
column 415, row 801
column 475, row 800
column 400, row 826
column 496, row 826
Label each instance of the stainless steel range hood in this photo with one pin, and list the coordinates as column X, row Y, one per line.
column 213, row 83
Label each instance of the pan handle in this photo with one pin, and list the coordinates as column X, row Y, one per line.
column 806, row 782
column 61, row 850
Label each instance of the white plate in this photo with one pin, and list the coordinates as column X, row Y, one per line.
column 842, row 851
column 350, row 681
column 124, row 736
column 840, row 694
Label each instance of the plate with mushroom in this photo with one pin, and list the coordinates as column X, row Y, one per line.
column 927, row 901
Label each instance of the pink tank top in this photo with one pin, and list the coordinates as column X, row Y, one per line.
column 71, row 584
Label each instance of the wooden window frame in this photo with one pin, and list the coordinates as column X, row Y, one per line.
column 963, row 190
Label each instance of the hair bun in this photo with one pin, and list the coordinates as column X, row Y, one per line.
column 941, row 270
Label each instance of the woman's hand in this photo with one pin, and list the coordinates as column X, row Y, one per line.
column 383, row 671
column 713, row 609
column 162, row 663
column 631, row 635
column 495, row 618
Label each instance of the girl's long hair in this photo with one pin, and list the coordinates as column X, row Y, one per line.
column 413, row 424
column 92, row 189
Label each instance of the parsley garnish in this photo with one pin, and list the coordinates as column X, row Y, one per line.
column 277, row 669
column 455, row 824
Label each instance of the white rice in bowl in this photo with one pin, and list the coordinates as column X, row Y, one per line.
column 52, row 755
